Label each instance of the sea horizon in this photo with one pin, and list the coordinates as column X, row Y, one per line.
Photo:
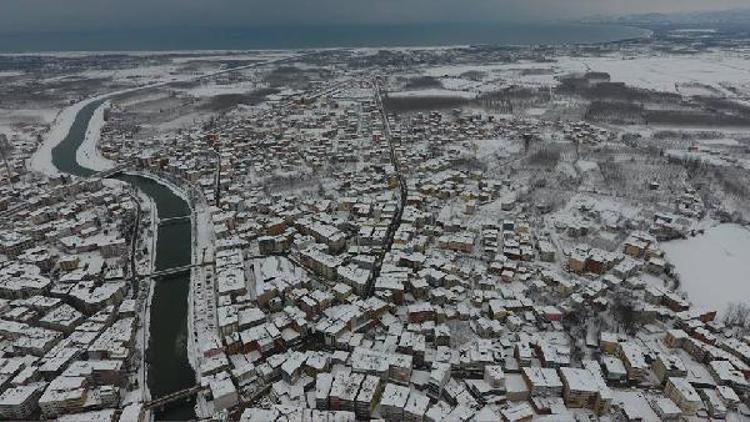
column 167, row 39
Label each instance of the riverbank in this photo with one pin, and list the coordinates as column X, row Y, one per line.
column 203, row 249
column 88, row 154
column 71, row 148
column 169, row 317
column 41, row 160
column 171, row 352
column 146, row 312
column 143, row 266
column 161, row 338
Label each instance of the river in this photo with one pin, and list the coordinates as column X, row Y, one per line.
column 169, row 369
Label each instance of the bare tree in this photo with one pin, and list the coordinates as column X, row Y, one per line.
column 738, row 315
column 625, row 313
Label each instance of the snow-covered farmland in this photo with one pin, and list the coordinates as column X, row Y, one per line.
column 714, row 267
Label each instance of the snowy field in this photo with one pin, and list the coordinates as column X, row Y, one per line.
column 212, row 89
column 714, row 267
column 700, row 74
column 432, row 93
column 667, row 73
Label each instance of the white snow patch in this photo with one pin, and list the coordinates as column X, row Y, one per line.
column 88, row 154
column 41, row 161
column 10, row 73
column 713, row 267
column 432, row 93
column 210, row 90
column 722, row 142
column 666, row 73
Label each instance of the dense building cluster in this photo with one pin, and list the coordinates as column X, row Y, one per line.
column 68, row 311
column 364, row 249
column 379, row 265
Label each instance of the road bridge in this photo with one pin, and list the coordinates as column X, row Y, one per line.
column 163, row 401
column 176, row 270
column 173, row 220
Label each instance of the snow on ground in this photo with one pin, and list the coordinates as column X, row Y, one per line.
column 144, row 266
column 41, row 161
column 524, row 73
column 666, row 73
column 713, row 267
column 88, row 154
column 18, row 123
column 458, row 70
column 42, row 115
column 609, row 209
column 280, row 96
column 459, row 84
column 490, row 148
column 154, row 73
column 210, row 89
column 203, row 248
column 10, row 118
column 432, row 93
column 220, row 57
column 722, row 142
column 703, row 156
column 586, row 166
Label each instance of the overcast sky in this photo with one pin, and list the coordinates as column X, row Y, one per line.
column 46, row 15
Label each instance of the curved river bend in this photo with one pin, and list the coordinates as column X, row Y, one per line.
column 169, row 369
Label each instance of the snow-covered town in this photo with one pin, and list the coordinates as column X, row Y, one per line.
column 421, row 234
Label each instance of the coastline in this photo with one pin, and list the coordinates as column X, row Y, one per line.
column 168, row 39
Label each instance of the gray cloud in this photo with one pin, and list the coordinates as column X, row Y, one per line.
column 39, row 15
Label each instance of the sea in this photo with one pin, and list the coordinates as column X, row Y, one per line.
column 305, row 37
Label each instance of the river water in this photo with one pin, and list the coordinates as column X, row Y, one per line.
column 169, row 369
